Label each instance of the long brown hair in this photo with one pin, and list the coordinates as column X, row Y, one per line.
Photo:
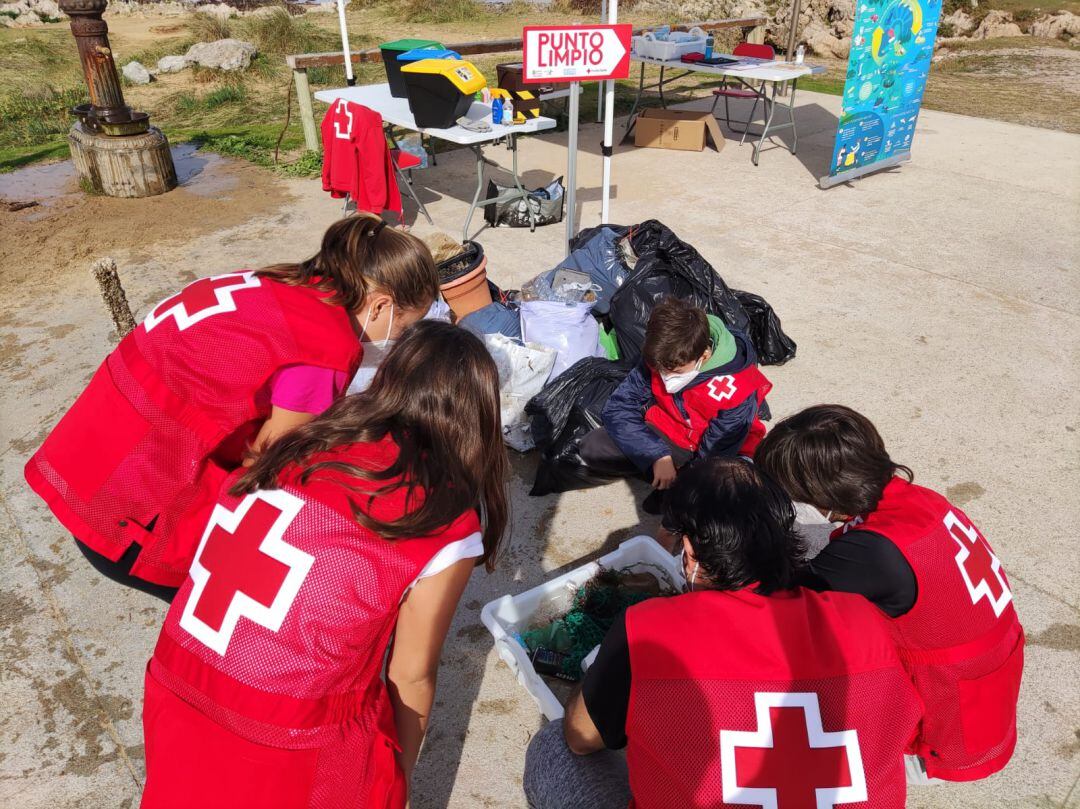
column 437, row 396
column 831, row 457
column 359, row 254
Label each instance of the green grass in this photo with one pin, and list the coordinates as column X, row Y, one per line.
column 30, row 118
column 229, row 94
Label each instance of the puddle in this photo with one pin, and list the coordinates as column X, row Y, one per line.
column 34, row 188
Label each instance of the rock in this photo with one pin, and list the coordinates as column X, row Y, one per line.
column 26, row 20
column 136, row 73
column 46, row 8
column 960, row 21
column 21, row 7
column 1063, row 25
column 216, row 10
column 224, row 54
column 172, row 64
column 821, row 41
column 997, row 24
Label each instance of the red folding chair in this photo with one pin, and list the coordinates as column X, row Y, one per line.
column 405, row 162
column 728, row 91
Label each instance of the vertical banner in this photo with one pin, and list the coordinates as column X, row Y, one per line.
column 891, row 48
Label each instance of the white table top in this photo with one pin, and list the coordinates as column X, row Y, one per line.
column 748, row 68
column 396, row 111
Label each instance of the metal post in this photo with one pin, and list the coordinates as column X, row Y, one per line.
column 601, row 88
column 793, row 30
column 307, row 112
column 609, row 125
column 349, row 78
column 571, row 166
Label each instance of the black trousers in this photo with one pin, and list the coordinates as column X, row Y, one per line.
column 120, row 571
column 602, row 455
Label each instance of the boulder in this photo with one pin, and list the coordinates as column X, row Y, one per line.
column 821, row 41
column 960, row 21
column 997, row 24
column 26, row 20
column 136, row 73
column 222, row 10
column 172, row 64
column 224, row 54
column 1063, row 25
column 18, row 8
column 46, row 8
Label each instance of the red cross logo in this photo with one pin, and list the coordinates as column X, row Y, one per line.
column 244, row 569
column 790, row 762
column 343, row 109
column 201, row 299
column 980, row 569
column 722, row 387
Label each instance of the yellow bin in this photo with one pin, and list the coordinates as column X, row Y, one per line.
column 441, row 90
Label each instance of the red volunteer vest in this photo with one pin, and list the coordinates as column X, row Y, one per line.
column 280, row 632
column 156, row 414
column 702, row 401
column 962, row 641
column 793, row 700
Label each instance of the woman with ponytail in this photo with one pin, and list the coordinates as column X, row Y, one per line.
column 211, row 376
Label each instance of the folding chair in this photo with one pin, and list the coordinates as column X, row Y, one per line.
column 728, row 91
column 405, row 162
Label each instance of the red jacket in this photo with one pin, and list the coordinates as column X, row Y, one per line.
column 176, row 400
column 702, row 401
column 797, row 699
column 356, row 159
column 278, row 638
column 962, row 641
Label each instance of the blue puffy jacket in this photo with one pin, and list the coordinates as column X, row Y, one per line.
column 624, row 413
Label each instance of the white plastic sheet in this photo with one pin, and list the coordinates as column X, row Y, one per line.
column 523, row 372
column 569, row 328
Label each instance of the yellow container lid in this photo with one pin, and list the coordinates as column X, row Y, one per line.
column 463, row 75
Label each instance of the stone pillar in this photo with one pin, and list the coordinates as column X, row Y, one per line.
column 114, row 148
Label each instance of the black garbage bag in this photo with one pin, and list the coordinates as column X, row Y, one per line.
column 564, row 412
column 667, row 267
column 772, row 345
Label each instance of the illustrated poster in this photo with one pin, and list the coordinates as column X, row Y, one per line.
column 891, row 48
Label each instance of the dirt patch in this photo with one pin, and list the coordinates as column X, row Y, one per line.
column 964, row 493
column 65, row 233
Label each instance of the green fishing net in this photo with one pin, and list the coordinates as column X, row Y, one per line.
column 595, row 607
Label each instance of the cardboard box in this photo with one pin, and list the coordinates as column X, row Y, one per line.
column 685, row 130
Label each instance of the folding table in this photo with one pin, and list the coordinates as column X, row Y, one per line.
column 744, row 70
column 395, row 113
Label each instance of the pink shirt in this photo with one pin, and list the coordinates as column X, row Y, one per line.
column 306, row 388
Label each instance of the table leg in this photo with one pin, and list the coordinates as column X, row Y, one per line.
column 660, row 88
column 770, row 105
column 479, row 189
column 517, row 180
column 631, row 120
column 791, row 116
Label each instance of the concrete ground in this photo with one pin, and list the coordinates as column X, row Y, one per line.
column 941, row 299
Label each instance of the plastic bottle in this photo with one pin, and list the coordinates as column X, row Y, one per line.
column 508, row 112
column 496, row 110
column 800, row 54
column 708, row 47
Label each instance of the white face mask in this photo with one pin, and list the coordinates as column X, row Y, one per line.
column 374, row 354
column 688, row 584
column 673, row 383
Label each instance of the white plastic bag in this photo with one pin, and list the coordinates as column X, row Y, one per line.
column 523, row 372
column 569, row 328
column 439, row 310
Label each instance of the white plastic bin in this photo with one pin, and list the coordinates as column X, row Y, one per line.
column 508, row 615
column 665, row 50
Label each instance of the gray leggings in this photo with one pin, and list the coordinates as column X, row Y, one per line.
column 558, row 778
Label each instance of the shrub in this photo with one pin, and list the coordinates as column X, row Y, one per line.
column 229, row 94
column 277, row 33
column 441, row 11
column 209, row 27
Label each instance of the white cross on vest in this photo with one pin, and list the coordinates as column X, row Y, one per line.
column 790, row 761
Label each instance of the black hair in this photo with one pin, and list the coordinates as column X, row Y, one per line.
column 740, row 524
column 831, row 457
column 677, row 334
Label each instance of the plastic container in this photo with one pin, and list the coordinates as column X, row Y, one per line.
column 390, row 53
column 505, row 617
column 463, row 281
column 648, row 46
column 440, row 90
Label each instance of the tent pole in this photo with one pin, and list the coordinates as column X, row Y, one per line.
column 609, row 125
column 349, row 78
column 571, row 165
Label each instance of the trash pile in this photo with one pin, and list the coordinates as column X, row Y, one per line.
column 569, row 336
column 558, row 647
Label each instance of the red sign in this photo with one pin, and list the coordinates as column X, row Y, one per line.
column 565, row 53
